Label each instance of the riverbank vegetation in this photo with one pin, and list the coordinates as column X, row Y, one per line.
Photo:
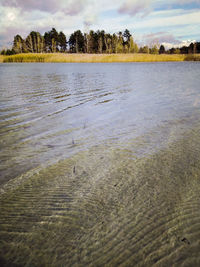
column 98, row 42
column 92, row 58
column 192, row 57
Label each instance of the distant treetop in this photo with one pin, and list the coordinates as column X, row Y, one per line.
column 92, row 42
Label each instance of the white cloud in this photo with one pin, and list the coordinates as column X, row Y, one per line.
column 164, row 38
column 179, row 45
column 169, row 18
column 22, row 16
column 69, row 7
column 132, row 7
column 159, row 38
column 182, row 2
column 145, row 7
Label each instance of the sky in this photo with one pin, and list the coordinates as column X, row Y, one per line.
column 172, row 22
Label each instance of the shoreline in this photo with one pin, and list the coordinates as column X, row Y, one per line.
column 96, row 58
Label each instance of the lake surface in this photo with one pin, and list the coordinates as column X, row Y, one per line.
column 100, row 164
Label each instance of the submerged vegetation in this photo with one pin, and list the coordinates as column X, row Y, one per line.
column 150, row 205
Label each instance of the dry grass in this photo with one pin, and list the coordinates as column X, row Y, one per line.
column 192, row 57
column 92, row 58
column 1, row 58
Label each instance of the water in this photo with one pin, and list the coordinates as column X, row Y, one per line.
column 52, row 111
column 100, row 164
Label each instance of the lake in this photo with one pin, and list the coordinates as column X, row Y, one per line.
column 100, row 164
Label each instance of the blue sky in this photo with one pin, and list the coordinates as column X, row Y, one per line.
column 172, row 22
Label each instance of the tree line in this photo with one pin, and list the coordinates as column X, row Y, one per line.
column 92, row 42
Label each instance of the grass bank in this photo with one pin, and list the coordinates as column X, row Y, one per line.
column 96, row 58
column 192, row 57
column 1, row 58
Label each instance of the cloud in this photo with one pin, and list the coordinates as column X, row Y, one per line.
column 179, row 45
column 90, row 17
column 14, row 22
column 21, row 17
column 145, row 7
column 75, row 7
column 183, row 2
column 159, row 38
column 166, row 39
column 133, row 7
column 69, row 7
column 5, row 40
column 180, row 18
column 89, row 20
column 28, row 5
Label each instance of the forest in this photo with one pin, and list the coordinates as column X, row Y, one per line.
column 98, row 42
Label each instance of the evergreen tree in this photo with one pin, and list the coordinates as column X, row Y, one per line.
column 29, row 43
column 100, row 44
column 183, row 50
column 76, row 42
column 114, row 43
column 51, row 41
column 108, row 43
column 91, row 42
column 86, row 42
column 162, row 49
column 119, row 47
column 54, row 40
column 172, row 50
column 19, row 45
column 198, row 47
column 100, row 41
column 62, row 42
column 127, row 35
column 192, row 49
column 7, row 52
column 35, row 42
column 126, row 43
column 48, row 43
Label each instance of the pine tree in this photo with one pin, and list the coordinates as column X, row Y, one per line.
column 29, row 43
column 62, row 42
column 108, row 43
column 35, row 42
column 51, row 40
column 76, row 42
column 162, row 49
column 19, row 45
column 114, row 43
column 126, row 42
column 119, row 47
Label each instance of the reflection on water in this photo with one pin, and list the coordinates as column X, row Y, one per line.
column 100, row 164
column 45, row 107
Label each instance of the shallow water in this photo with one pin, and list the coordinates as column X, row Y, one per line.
column 100, row 164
